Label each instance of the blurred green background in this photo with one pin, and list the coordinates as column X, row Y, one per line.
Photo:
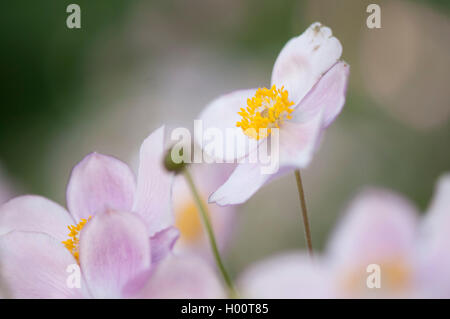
column 135, row 65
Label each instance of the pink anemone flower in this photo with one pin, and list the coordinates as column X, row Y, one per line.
column 381, row 249
column 119, row 233
column 307, row 93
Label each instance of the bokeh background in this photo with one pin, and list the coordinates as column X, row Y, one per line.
column 135, row 65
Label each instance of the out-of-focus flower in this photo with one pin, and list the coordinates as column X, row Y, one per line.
column 380, row 231
column 434, row 261
column 187, row 219
column 307, row 93
column 120, row 231
column 183, row 276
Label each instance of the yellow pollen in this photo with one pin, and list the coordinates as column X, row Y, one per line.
column 395, row 277
column 188, row 222
column 268, row 109
column 72, row 244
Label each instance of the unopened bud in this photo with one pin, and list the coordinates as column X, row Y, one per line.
column 174, row 162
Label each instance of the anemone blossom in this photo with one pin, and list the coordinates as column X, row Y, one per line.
column 307, row 93
column 119, row 233
column 382, row 248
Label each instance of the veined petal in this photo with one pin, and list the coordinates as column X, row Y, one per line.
column 35, row 213
column 221, row 116
column 181, row 278
column 286, row 276
column 114, row 253
column 327, row 96
column 98, row 183
column 153, row 194
column 304, row 59
column 34, row 265
column 161, row 243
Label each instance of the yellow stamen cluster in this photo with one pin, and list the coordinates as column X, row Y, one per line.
column 72, row 244
column 266, row 110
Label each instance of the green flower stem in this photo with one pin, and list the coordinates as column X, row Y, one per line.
column 301, row 194
column 209, row 230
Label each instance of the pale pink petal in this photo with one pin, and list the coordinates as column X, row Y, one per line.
column 114, row 253
column 153, row 194
column 221, row 116
column 286, row 276
column 34, row 265
column 245, row 180
column 161, row 243
column 327, row 96
column 438, row 214
column 299, row 141
column 186, row 277
column 304, row 59
column 434, row 250
column 248, row 178
column 35, row 213
column 376, row 236
column 98, row 183
column 379, row 226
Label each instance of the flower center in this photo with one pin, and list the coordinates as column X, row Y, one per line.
column 188, row 222
column 72, row 244
column 268, row 109
column 395, row 276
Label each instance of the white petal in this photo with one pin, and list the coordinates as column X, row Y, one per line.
column 327, row 96
column 154, row 187
column 245, row 180
column 35, row 213
column 221, row 116
column 299, row 141
column 34, row 265
column 304, row 59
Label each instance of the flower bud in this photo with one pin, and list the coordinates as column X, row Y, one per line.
column 174, row 162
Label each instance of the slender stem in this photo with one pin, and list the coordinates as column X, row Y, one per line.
column 212, row 239
column 301, row 194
